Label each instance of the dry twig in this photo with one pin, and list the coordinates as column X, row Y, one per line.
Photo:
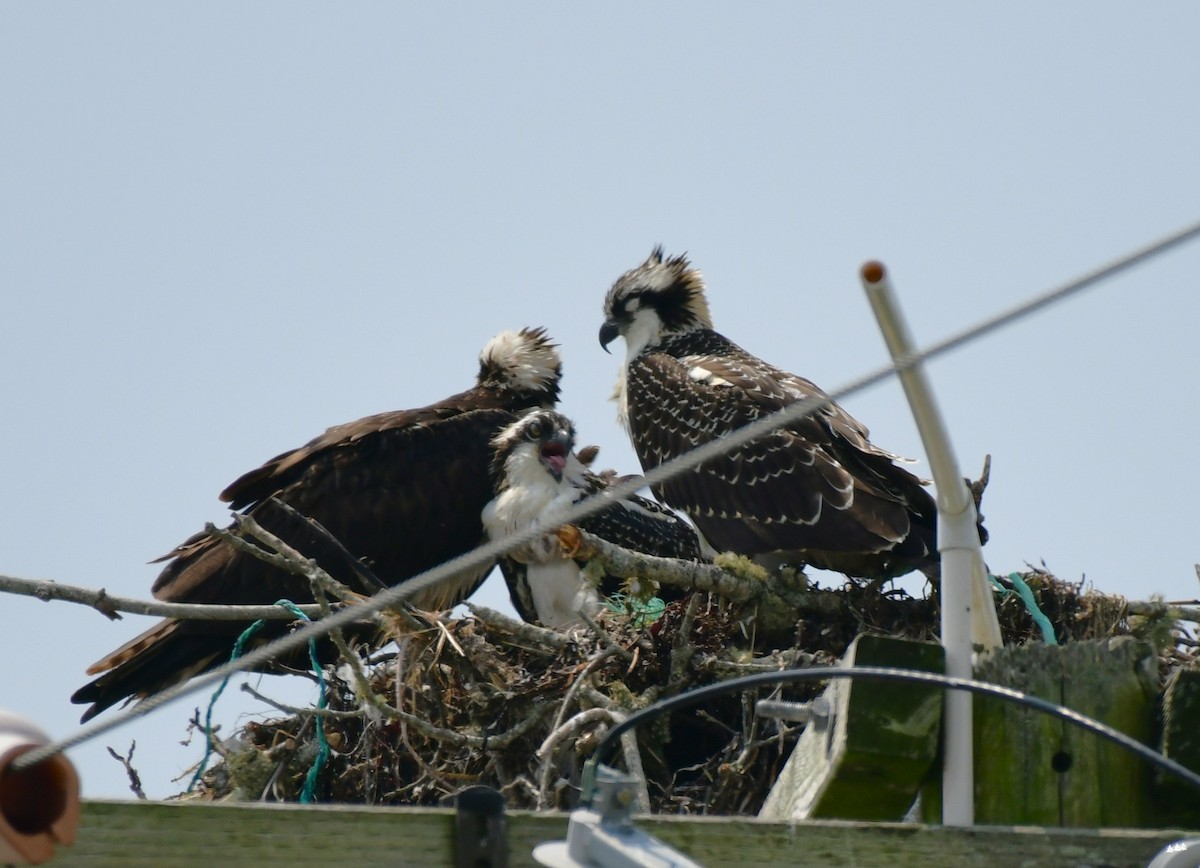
column 526, row 681
column 109, row 605
column 530, row 636
column 135, row 780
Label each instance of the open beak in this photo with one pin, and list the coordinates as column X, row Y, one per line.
column 608, row 333
column 554, row 455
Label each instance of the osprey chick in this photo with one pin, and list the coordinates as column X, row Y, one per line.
column 816, row 491
column 402, row 492
column 536, row 475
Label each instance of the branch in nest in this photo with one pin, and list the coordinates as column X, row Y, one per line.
column 594, row 698
column 724, row 668
column 424, row 727
column 362, row 683
column 297, row 711
column 110, row 605
column 629, row 745
column 1155, row 609
column 581, row 682
column 283, row 557
column 526, row 635
column 627, row 564
column 359, row 568
column 779, row 600
column 682, row 650
column 606, row 640
column 571, row 727
column 287, row 558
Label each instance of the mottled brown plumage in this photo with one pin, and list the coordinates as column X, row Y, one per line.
column 401, row 491
column 816, row 491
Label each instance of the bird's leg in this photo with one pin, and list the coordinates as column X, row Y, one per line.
column 540, row 550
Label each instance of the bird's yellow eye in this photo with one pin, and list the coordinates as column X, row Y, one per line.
column 535, row 431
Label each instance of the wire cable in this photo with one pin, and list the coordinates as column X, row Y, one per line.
column 608, row 744
column 488, row 552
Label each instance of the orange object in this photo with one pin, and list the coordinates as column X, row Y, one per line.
column 39, row 805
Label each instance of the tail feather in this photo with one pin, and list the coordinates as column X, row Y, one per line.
column 163, row 656
column 160, row 632
column 172, row 652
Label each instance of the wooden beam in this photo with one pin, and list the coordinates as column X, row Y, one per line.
column 192, row 834
column 1175, row 802
column 865, row 759
column 1030, row 768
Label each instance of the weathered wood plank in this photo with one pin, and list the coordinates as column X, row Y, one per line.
column 1175, row 802
column 161, row 833
column 1033, row 769
column 867, row 758
column 1116, row 682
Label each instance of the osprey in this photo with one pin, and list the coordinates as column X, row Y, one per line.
column 401, row 491
column 816, row 491
column 535, row 475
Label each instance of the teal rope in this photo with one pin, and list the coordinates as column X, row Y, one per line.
column 643, row 612
column 307, row 794
column 238, row 647
column 1026, row 594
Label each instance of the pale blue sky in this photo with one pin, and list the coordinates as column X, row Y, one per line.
column 228, row 226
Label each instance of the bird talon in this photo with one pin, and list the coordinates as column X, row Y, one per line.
column 570, row 539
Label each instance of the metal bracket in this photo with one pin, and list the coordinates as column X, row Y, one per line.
column 603, row 835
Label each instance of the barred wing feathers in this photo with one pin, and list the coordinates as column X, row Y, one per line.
column 641, row 525
column 817, row 482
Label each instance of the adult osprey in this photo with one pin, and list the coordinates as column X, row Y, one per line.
column 402, row 492
column 815, row 492
column 536, row 474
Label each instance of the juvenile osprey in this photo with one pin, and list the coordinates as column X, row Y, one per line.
column 402, row 491
column 814, row 492
column 535, row 475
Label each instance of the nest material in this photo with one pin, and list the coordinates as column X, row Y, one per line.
column 480, row 695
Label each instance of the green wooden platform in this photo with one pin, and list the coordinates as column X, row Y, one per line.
column 167, row 833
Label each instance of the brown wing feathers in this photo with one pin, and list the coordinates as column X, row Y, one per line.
column 816, row 491
column 795, row 488
column 401, row 491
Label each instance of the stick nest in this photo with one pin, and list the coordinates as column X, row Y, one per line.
column 475, row 700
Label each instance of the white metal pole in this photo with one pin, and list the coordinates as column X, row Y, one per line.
column 958, row 542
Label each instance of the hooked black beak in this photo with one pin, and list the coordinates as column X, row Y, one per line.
column 608, row 333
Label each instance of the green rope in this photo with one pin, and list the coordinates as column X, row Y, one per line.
column 238, row 647
column 1026, row 594
column 308, row 792
column 310, row 781
column 643, row 612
